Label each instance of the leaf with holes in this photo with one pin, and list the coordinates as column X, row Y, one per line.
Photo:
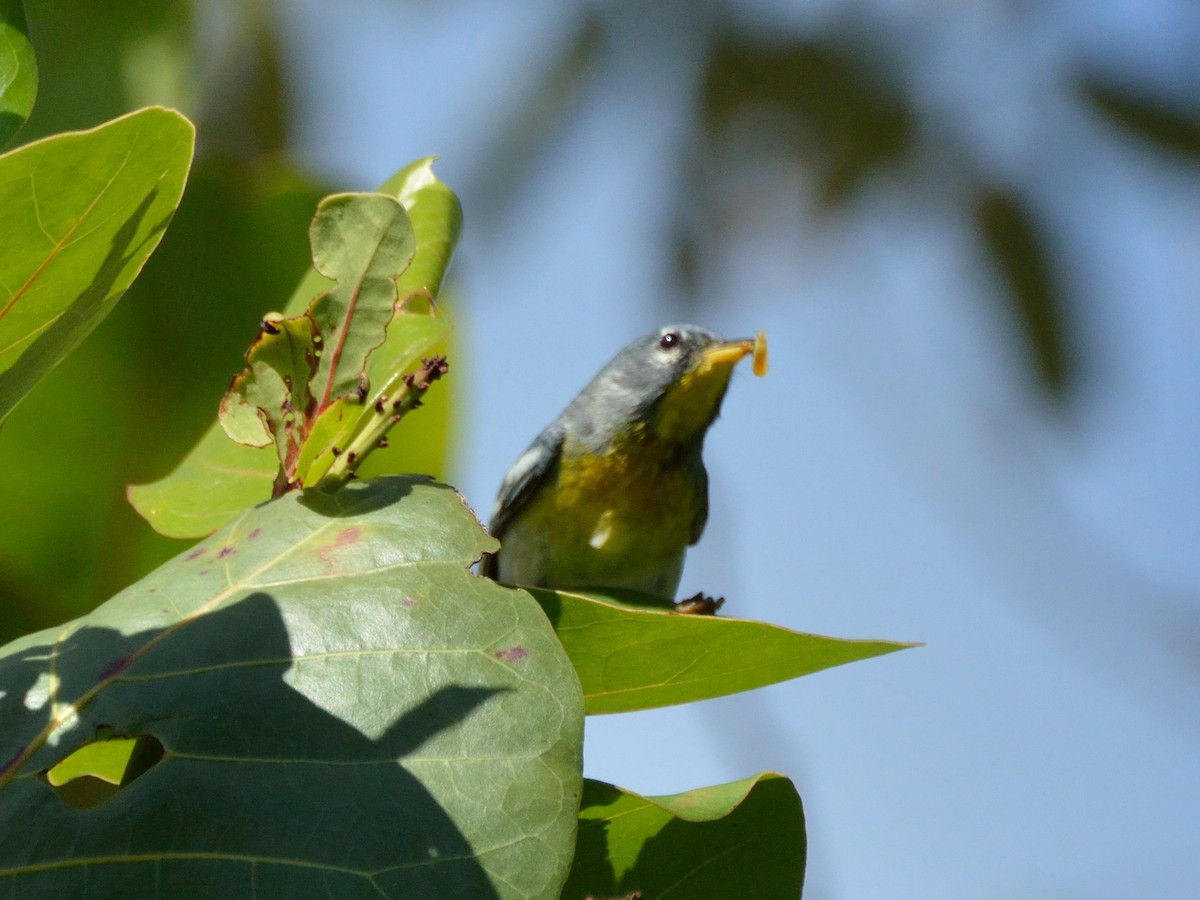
column 630, row 656
column 329, row 702
column 727, row 842
column 218, row 478
column 300, row 368
column 80, row 214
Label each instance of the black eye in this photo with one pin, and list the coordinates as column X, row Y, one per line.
column 669, row 340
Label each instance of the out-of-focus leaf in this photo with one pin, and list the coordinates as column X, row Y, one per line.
column 436, row 218
column 243, row 93
column 18, row 70
column 80, row 214
column 1019, row 253
column 99, row 62
column 1155, row 122
column 838, row 115
column 631, row 657
column 727, row 842
column 342, row 708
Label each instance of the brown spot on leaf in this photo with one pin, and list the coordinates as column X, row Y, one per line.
column 512, row 654
column 255, row 533
column 345, row 538
column 226, row 552
column 197, row 553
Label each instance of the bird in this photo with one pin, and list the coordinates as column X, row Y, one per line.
column 612, row 493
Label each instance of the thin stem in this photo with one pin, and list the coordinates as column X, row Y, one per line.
column 389, row 410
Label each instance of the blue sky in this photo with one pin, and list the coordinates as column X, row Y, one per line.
column 897, row 474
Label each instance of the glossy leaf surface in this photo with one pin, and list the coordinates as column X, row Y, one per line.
column 80, row 213
column 632, row 657
column 342, row 707
column 727, row 842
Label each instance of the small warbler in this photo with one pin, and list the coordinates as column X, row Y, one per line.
column 613, row 492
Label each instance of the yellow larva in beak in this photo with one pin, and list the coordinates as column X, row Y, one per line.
column 758, row 364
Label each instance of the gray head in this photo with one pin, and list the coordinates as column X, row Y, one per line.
column 672, row 379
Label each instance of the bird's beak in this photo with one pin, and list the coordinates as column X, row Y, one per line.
column 729, row 353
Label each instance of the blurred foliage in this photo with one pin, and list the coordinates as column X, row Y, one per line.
column 1019, row 252
column 95, row 62
column 832, row 104
column 1150, row 120
column 126, row 406
column 838, row 117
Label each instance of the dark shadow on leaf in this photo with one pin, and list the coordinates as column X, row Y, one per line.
column 758, row 849
column 359, row 498
column 259, row 791
column 82, row 316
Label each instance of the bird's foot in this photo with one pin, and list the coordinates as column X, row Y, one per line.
column 699, row 605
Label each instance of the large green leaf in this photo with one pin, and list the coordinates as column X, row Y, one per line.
column 80, row 213
column 727, row 842
column 217, row 479
column 342, row 710
column 18, row 70
column 630, row 657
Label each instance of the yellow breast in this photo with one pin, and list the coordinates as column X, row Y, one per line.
column 618, row 519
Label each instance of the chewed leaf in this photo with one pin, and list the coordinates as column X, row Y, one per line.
column 270, row 397
column 363, row 242
column 218, row 477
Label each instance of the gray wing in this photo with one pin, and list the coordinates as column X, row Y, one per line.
column 698, row 476
column 527, row 474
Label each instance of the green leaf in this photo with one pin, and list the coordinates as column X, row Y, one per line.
column 342, row 709
column 18, row 70
column 214, row 482
column 311, row 368
column 727, row 842
column 361, row 242
column 209, row 490
column 273, row 385
column 80, row 214
column 630, row 657
column 103, row 759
